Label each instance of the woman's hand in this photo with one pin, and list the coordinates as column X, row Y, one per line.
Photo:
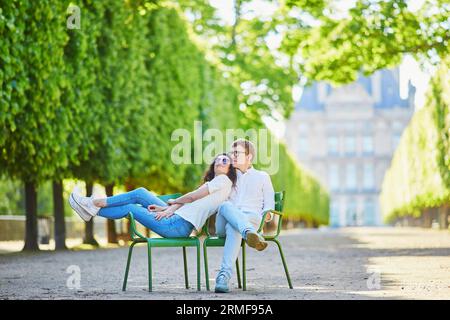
column 164, row 214
column 156, row 208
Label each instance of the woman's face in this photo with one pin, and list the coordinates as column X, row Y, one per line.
column 222, row 165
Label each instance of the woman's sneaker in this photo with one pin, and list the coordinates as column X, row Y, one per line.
column 85, row 203
column 79, row 210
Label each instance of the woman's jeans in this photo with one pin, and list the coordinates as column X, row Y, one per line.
column 137, row 201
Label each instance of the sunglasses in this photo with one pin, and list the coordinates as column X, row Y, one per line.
column 235, row 153
column 222, row 160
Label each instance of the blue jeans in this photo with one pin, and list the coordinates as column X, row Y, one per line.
column 233, row 224
column 137, row 201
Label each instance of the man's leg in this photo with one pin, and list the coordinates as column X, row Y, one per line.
column 236, row 218
column 230, row 253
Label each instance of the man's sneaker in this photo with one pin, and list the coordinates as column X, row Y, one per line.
column 86, row 203
column 222, row 284
column 256, row 241
column 79, row 210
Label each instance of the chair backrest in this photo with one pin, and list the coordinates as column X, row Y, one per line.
column 279, row 200
column 166, row 197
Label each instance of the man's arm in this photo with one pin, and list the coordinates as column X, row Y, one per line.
column 268, row 196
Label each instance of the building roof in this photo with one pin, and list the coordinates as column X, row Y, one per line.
column 383, row 86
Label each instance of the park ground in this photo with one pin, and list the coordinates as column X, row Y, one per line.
column 348, row 263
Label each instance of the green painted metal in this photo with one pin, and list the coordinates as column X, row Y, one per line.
column 214, row 241
column 161, row 243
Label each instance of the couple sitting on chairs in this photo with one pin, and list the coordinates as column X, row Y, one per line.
column 232, row 188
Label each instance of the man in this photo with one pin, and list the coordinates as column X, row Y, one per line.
column 240, row 217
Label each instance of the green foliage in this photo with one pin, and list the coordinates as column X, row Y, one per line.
column 419, row 176
column 33, row 123
column 100, row 103
column 374, row 35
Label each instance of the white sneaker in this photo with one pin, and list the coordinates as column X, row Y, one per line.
column 85, row 203
column 80, row 211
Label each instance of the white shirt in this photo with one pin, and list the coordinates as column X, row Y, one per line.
column 198, row 211
column 254, row 191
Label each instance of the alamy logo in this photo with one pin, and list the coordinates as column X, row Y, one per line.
column 74, row 20
column 74, row 280
column 374, row 280
column 202, row 146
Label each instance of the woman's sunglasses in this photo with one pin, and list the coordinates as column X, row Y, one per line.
column 222, row 160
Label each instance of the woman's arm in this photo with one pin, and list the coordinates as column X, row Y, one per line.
column 191, row 196
column 169, row 211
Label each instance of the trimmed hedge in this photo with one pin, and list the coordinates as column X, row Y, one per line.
column 419, row 175
column 100, row 103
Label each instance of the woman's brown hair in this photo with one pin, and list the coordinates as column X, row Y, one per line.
column 209, row 174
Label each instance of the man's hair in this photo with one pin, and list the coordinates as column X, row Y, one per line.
column 248, row 146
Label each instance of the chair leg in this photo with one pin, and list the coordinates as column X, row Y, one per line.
column 186, row 280
column 205, row 259
column 130, row 252
column 238, row 274
column 198, row 265
column 149, row 247
column 244, row 273
column 284, row 263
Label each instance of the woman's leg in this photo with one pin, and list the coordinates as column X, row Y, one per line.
column 137, row 196
column 172, row 227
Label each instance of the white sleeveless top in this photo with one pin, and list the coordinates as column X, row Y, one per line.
column 198, row 211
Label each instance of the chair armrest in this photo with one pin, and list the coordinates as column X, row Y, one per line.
column 264, row 214
column 133, row 229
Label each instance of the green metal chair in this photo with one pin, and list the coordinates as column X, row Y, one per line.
column 161, row 242
column 214, row 241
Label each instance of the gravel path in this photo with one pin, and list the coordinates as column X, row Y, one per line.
column 352, row 263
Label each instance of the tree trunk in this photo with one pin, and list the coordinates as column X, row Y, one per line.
column 111, row 225
column 89, row 225
column 443, row 216
column 31, row 228
column 58, row 211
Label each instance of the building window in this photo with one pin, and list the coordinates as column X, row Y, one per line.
column 350, row 145
column 303, row 146
column 368, row 177
column 367, row 144
column 369, row 212
column 333, row 177
column 333, row 145
column 351, row 215
column 351, row 176
column 334, row 214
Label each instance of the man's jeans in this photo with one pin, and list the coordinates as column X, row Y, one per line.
column 233, row 224
column 137, row 201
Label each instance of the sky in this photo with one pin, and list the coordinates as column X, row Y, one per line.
column 409, row 68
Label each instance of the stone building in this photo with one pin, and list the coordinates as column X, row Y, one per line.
column 346, row 136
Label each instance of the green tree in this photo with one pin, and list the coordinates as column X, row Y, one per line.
column 372, row 35
column 34, row 126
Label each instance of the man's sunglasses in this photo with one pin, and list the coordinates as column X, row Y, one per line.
column 222, row 160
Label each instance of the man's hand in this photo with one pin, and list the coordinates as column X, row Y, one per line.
column 269, row 216
column 171, row 201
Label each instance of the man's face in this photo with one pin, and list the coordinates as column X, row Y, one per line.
column 239, row 158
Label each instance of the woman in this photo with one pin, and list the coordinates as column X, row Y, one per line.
column 178, row 217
